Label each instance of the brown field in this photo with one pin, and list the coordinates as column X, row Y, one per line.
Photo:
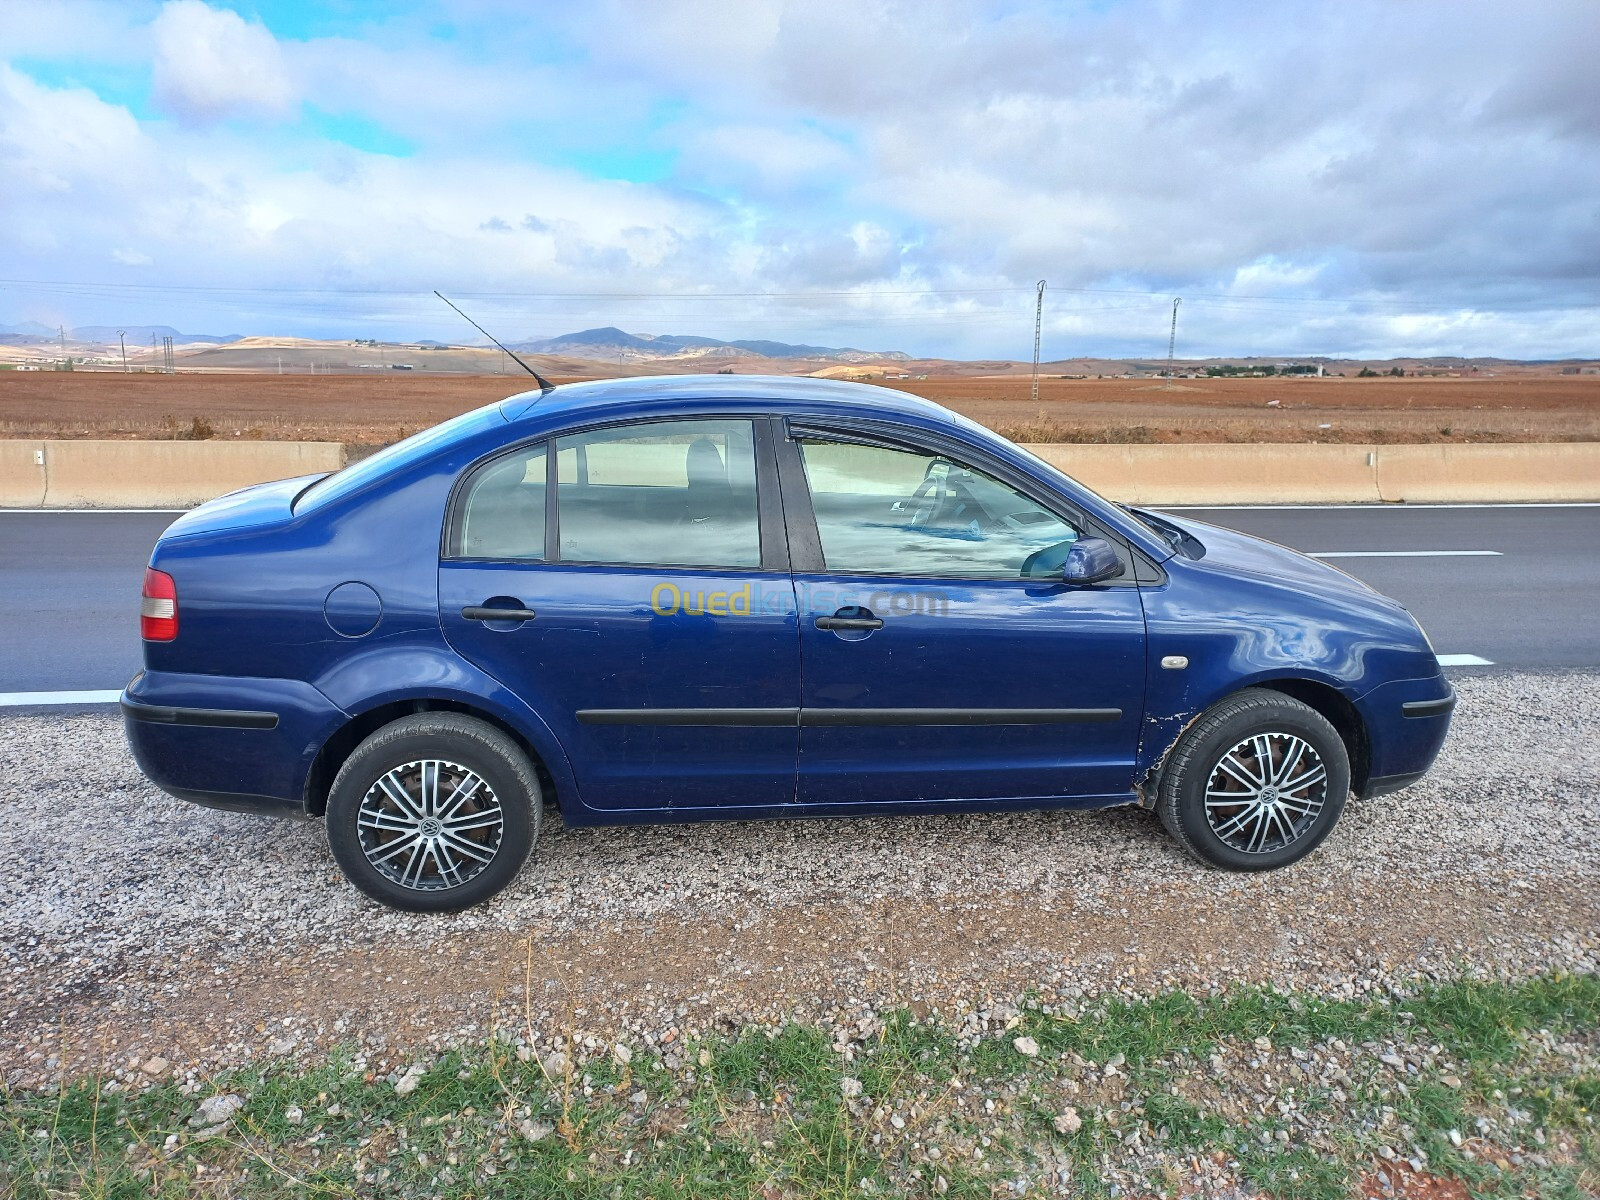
column 368, row 410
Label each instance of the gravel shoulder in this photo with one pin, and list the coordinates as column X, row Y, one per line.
column 135, row 927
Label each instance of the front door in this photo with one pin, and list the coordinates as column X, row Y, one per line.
column 642, row 621
column 941, row 656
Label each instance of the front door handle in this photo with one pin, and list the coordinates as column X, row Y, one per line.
column 477, row 612
column 849, row 623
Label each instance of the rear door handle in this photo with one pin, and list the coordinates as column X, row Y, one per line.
column 849, row 623
column 477, row 612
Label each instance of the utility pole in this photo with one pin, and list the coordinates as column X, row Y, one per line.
column 122, row 336
column 1172, row 338
column 65, row 361
column 1038, row 317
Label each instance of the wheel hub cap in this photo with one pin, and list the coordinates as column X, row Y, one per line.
column 1266, row 792
column 430, row 825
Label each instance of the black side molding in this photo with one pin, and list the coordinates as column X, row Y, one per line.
column 959, row 716
column 223, row 718
column 847, row 716
column 689, row 716
column 1428, row 708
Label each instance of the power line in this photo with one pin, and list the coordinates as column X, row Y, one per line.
column 76, row 287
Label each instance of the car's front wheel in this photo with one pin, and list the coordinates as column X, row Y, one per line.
column 434, row 812
column 1257, row 782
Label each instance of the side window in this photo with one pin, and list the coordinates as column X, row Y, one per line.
column 503, row 513
column 885, row 511
column 662, row 493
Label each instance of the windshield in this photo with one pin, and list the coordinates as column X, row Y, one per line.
column 358, row 474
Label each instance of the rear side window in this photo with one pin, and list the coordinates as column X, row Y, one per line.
column 887, row 511
column 502, row 515
column 660, row 493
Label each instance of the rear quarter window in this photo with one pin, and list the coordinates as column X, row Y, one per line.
column 358, row 474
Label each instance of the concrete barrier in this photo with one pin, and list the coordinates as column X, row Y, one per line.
column 21, row 474
column 151, row 474
column 138, row 474
column 1221, row 473
column 1508, row 471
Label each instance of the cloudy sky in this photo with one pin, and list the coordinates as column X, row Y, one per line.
column 1348, row 177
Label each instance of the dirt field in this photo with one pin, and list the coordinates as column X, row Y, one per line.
column 367, row 410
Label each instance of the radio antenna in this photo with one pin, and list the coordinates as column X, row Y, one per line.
column 544, row 384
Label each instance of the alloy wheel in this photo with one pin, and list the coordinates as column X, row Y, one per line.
column 430, row 825
column 1266, row 792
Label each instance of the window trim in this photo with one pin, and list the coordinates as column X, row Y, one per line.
column 805, row 541
column 773, row 545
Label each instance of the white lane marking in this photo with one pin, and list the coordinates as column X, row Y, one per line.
column 37, row 699
column 29, row 512
column 1464, row 660
column 1403, row 553
column 1359, row 506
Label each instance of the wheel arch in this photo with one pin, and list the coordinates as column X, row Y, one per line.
column 1324, row 698
column 1345, row 718
column 340, row 744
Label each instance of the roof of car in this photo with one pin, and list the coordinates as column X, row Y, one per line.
column 766, row 391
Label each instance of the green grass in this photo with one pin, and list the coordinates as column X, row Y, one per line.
column 766, row 1115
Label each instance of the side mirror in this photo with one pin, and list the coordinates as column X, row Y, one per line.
column 1091, row 560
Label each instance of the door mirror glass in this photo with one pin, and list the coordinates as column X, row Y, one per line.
column 1091, row 560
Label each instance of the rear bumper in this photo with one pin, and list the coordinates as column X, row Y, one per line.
column 245, row 745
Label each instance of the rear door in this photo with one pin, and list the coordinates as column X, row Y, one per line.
column 941, row 656
column 649, row 613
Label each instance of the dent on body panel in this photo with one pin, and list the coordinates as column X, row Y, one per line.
column 1228, row 635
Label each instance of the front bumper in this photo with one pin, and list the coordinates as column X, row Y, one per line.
column 1407, row 721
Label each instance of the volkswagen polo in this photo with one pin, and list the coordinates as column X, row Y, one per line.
column 689, row 598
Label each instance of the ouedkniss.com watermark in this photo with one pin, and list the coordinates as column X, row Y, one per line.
column 669, row 599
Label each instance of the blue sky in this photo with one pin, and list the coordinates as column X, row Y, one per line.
column 1357, row 177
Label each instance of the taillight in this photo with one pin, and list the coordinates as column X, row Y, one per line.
column 158, row 614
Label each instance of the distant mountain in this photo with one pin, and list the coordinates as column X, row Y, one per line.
column 143, row 334
column 611, row 344
column 28, row 329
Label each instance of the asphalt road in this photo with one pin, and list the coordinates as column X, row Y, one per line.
column 1532, row 605
column 72, row 582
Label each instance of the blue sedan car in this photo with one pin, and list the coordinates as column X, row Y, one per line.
column 688, row 598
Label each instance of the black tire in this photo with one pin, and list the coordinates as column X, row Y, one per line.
column 376, row 834
column 1194, row 798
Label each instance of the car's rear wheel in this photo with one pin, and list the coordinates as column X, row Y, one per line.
column 1257, row 782
column 434, row 812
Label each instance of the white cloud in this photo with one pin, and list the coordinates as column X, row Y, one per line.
column 763, row 157
column 1433, row 160
column 211, row 64
column 86, row 30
